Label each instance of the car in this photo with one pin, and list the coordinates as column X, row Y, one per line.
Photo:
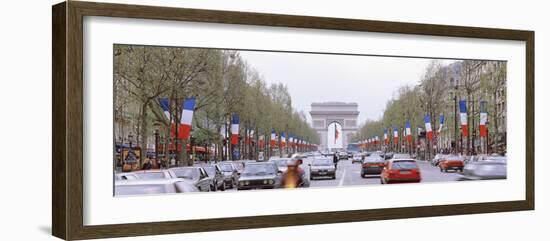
column 322, row 167
column 259, row 175
column 437, row 158
column 451, row 162
column 342, row 155
column 388, row 155
column 485, row 168
column 126, row 176
column 357, row 157
column 196, row 175
column 400, row 171
column 372, row 165
column 230, row 173
column 215, row 173
column 153, row 186
column 146, row 175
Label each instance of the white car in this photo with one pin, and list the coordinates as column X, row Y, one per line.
column 153, row 186
column 357, row 157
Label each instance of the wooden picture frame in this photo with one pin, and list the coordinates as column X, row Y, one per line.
column 67, row 123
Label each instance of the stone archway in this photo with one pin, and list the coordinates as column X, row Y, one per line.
column 325, row 113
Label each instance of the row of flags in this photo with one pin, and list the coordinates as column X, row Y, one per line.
column 428, row 126
column 186, row 118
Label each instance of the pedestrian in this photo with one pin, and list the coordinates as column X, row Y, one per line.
column 335, row 160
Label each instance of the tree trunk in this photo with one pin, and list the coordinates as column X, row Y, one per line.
column 143, row 132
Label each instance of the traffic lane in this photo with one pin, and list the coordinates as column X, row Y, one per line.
column 326, row 181
column 353, row 175
column 433, row 174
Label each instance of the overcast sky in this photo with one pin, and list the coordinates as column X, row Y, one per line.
column 367, row 80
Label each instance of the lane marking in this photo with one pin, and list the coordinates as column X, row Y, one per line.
column 342, row 179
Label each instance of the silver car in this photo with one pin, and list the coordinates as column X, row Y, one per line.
column 485, row 168
column 195, row 175
column 153, row 186
column 230, row 173
column 145, row 175
column 322, row 167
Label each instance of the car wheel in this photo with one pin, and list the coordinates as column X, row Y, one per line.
column 214, row 187
column 334, row 177
column 223, row 187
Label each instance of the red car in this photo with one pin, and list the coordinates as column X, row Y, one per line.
column 400, row 171
column 451, row 162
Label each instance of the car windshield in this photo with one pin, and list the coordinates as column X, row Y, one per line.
column 187, row 173
column 211, row 170
column 256, row 169
column 150, row 175
column 143, row 189
column 226, row 167
column 405, row 164
column 322, row 162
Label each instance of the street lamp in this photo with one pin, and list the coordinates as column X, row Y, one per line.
column 454, row 84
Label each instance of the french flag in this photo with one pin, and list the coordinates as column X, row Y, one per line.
column 408, row 131
column 164, row 104
column 386, row 136
column 273, row 140
column 395, row 136
column 186, row 118
column 463, row 117
column 283, row 140
column 483, row 118
column 428, row 123
column 441, row 121
column 234, row 129
column 290, row 141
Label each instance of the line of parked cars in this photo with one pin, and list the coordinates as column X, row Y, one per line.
column 206, row 177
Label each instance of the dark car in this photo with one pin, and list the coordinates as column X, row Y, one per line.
column 372, row 165
column 486, row 168
column 215, row 173
column 322, row 167
column 230, row 173
column 388, row 155
column 259, row 175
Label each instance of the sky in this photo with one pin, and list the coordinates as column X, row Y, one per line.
column 369, row 81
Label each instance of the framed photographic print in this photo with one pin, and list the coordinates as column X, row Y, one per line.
column 171, row 120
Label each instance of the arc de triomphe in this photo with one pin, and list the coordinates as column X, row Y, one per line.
column 325, row 113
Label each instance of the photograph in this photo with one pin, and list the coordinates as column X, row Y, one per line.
column 189, row 119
